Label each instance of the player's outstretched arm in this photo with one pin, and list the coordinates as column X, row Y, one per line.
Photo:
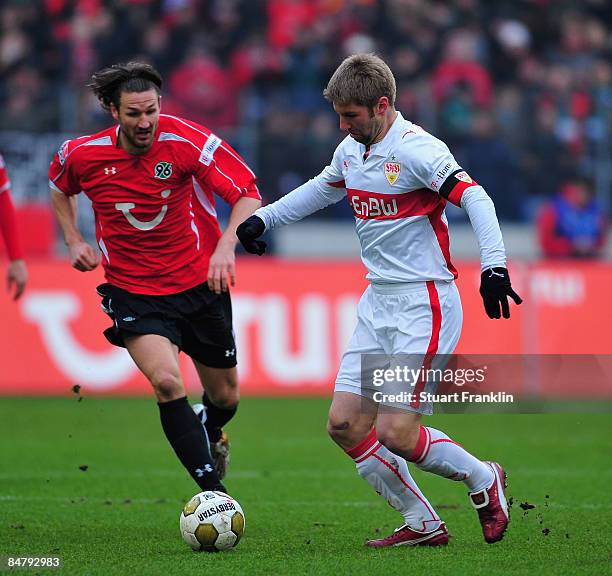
column 299, row 203
column 495, row 285
column 325, row 189
column 82, row 256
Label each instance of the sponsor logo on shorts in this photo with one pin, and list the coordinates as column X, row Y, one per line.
column 230, row 352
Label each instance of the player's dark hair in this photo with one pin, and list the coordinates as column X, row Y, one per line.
column 109, row 83
column 361, row 79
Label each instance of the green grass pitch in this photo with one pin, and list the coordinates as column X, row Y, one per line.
column 307, row 511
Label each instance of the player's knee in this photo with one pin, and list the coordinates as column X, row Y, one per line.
column 226, row 398
column 225, row 393
column 398, row 438
column 344, row 432
column 167, row 385
column 338, row 430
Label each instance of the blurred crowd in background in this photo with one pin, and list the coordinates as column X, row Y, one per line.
column 521, row 90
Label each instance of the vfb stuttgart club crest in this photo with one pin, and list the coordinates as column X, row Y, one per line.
column 392, row 170
column 163, row 170
column 464, row 177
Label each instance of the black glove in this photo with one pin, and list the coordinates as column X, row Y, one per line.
column 253, row 227
column 495, row 288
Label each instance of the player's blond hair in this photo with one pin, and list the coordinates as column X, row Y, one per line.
column 361, row 79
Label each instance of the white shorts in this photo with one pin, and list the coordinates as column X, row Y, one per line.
column 420, row 319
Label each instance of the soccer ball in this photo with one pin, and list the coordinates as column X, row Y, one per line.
column 212, row 521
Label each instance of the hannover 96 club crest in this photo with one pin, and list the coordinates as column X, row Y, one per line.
column 163, row 170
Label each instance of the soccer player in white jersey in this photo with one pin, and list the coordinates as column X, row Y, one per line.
column 397, row 179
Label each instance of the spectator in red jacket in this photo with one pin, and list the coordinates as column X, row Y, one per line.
column 202, row 89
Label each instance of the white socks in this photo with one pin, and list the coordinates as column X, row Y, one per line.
column 435, row 452
column 388, row 474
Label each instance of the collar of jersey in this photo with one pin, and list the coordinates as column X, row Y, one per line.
column 114, row 134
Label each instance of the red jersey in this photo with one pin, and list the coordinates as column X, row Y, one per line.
column 5, row 183
column 8, row 220
column 156, row 223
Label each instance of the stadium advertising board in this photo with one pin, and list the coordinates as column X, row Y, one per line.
column 292, row 321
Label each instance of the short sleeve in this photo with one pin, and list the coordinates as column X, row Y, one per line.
column 5, row 182
column 62, row 173
column 220, row 168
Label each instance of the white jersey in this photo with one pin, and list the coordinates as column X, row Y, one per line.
column 398, row 193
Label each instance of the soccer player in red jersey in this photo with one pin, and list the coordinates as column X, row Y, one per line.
column 17, row 272
column 151, row 180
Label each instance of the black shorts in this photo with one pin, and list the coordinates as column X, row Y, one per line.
column 197, row 320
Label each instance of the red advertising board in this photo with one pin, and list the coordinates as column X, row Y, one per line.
column 292, row 321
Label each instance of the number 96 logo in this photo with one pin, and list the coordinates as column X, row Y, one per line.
column 163, row 170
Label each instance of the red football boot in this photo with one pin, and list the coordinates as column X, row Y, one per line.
column 406, row 536
column 492, row 506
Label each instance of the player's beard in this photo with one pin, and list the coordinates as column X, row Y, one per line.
column 138, row 145
column 375, row 131
column 142, row 143
column 369, row 138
